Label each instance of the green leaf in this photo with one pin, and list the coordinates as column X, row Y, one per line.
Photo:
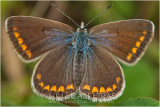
column 34, row 100
column 140, row 102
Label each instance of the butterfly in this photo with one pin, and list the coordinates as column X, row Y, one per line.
column 79, row 61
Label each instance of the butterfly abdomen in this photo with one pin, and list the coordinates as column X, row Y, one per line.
column 78, row 72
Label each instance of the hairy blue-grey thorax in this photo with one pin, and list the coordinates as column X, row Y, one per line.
column 81, row 39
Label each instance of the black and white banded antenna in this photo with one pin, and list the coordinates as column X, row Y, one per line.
column 64, row 14
column 98, row 15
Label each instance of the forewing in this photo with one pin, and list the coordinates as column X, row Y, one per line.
column 103, row 80
column 32, row 37
column 127, row 39
column 53, row 75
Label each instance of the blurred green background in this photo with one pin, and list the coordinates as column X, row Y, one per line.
column 142, row 80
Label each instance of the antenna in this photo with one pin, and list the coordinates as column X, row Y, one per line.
column 64, row 14
column 98, row 14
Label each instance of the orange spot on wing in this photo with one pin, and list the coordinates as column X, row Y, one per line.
column 141, row 38
column 20, row 41
column 134, row 50
column 41, row 84
column 47, row 87
column 94, row 89
column 24, row 47
column 70, row 87
column 14, row 28
column 138, row 44
column 144, row 32
column 118, row 79
column 28, row 52
column 54, row 88
column 114, row 86
column 108, row 89
column 61, row 89
column 86, row 87
column 102, row 90
column 39, row 76
column 16, row 34
column 129, row 56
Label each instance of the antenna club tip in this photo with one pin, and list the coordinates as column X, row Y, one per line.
column 109, row 6
column 53, row 5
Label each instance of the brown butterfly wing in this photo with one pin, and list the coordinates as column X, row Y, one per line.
column 127, row 39
column 103, row 79
column 32, row 37
column 53, row 75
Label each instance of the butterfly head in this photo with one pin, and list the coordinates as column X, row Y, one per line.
column 82, row 28
column 82, row 25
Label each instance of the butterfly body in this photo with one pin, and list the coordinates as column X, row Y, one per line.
column 80, row 48
column 79, row 61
